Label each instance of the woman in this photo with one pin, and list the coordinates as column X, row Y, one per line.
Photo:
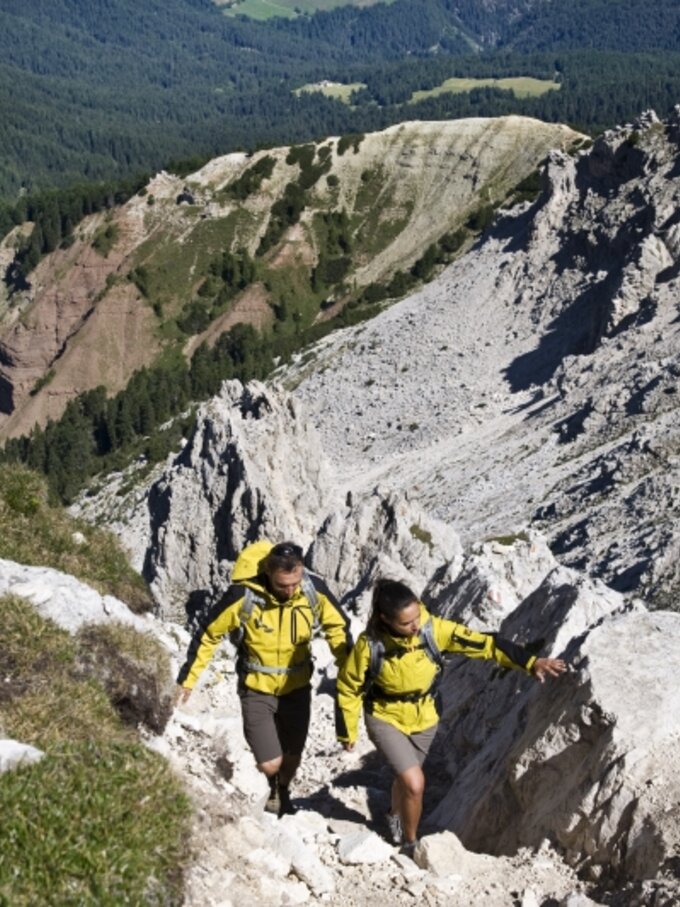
column 393, row 670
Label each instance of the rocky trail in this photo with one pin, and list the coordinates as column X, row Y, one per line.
column 334, row 849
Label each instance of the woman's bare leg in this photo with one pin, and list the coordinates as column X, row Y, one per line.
column 409, row 787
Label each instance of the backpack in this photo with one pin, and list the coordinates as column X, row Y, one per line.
column 248, row 565
column 378, row 654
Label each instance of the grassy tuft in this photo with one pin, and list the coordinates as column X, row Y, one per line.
column 34, row 532
column 422, row 535
column 93, row 825
column 100, row 820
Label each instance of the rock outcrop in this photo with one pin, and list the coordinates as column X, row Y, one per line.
column 571, row 762
column 383, row 535
column 65, row 600
column 252, row 469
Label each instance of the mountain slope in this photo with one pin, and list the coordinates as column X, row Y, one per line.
column 535, row 381
column 142, row 278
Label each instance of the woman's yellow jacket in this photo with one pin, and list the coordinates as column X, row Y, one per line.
column 413, row 672
column 277, row 635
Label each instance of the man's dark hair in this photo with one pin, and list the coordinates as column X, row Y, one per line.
column 285, row 556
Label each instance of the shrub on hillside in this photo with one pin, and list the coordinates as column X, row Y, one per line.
column 105, row 239
column 251, row 179
column 353, row 140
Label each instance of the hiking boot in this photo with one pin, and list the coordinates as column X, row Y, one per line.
column 273, row 802
column 286, row 808
column 408, row 848
column 396, row 834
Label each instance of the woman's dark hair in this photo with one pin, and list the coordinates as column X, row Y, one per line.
column 389, row 598
column 285, row 556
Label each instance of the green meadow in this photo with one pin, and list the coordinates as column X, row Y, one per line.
column 268, row 9
column 332, row 89
column 521, row 86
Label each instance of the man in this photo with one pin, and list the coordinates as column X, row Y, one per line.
column 272, row 605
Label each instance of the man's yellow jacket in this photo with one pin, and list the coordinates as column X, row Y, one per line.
column 412, row 673
column 277, row 636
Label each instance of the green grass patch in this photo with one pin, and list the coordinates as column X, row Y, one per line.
column 171, row 268
column 34, row 532
column 520, row 86
column 294, row 302
column 338, row 90
column 100, row 820
column 289, row 9
column 92, row 825
column 422, row 535
column 508, row 540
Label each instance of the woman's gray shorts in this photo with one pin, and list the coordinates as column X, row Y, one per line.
column 402, row 751
column 275, row 725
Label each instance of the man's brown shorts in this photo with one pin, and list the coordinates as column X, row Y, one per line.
column 402, row 751
column 275, row 725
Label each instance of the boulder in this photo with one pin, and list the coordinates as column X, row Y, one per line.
column 363, row 847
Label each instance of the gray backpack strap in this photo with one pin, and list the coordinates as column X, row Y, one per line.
column 377, row 657
column 426, row 634
column 244, row 615
column 310, row 593
column 376, row 648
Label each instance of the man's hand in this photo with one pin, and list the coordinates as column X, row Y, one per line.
column 548, row 667
column 181, row 695
column 347, row 747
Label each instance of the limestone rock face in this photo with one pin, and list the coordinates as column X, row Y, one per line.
column 252, row 469
column 498, row 575
column 64, row 599
column 383, row 535
column 573, row 760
